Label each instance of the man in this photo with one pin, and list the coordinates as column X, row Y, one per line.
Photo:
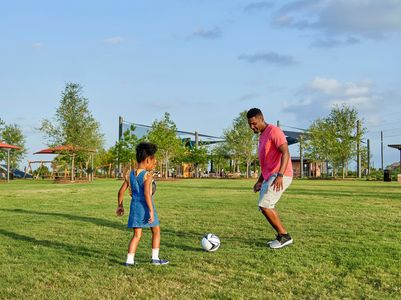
column 276, row 175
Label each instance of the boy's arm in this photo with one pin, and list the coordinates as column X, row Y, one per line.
column 148, row 196
column 120, row 207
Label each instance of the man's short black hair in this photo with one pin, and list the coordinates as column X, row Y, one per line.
column 144, row 150
column 253, row 112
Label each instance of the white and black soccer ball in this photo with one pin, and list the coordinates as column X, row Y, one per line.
column 210, row 242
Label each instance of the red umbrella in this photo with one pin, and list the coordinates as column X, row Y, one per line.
column 8, row 147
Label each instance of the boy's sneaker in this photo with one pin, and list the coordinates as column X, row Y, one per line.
column 159, row 262
column 281, row 241
column 129, row 265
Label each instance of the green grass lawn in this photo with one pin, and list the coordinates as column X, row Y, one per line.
column 65, row 242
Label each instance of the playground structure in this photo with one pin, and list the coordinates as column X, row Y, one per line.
column 72, row 151
column 39, row 173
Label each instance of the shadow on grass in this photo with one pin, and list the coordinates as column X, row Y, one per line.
column 79, row 250
column 165, row 231
column 113, row 225
column 200, row 187
column 96, row 221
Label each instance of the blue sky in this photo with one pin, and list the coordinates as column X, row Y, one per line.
column 204, row 62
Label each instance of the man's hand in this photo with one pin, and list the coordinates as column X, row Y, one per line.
column 277, row 184
column 151, row 217
column 120, row 211
column 257, row 187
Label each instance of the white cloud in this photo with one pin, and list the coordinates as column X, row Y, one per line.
column 114, row 40
column 269, row 57
column 317, row 97
column 364, row 18
column 328, row 86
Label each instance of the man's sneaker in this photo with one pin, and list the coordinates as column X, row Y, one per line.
column 159, row 262
column 269, row 242
column 281, row 241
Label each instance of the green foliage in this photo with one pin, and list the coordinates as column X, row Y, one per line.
column 196, row 155
column 42, row 171
column 241, row 141
column 104, row 158
column 164, row 134
column 73, row 124
column 125, row 148
column 65, row 242
column 334, row 138
column 12, row 134
column 220, row 157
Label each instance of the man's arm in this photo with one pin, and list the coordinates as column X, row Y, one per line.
column 258, row 184
column 285, row 157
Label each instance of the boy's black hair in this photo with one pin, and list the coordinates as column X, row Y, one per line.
column 144, row 150
column 253, row 112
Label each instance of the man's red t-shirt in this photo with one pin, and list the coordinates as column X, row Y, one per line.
column 269, row 156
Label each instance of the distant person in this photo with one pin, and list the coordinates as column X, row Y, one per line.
column 276, row 175
column 142, row 209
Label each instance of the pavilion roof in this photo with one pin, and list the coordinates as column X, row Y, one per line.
column 63, row 148
column 8, row 146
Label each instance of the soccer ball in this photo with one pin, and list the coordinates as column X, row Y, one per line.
column 210, row 242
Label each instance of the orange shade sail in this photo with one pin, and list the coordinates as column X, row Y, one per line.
column 8, row 146
column 63, row 148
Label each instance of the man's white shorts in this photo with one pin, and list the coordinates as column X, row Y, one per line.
column 269, row 197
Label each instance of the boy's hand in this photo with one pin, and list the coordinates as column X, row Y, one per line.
column 151, row 217
column 120, row 211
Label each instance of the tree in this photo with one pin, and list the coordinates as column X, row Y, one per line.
column 12, row 134
column 164, row 134
column 125, row 149
column 104, row 160
column 73, row 124
column 334, row 138
column 242, row 141
column 220, row 156
column 196, row 156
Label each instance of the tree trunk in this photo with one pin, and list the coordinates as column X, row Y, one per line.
column 343, row 170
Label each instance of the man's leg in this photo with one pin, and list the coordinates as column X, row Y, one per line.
column 272, row 216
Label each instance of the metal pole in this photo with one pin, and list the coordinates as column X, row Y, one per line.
column 120, row 136
column 301, row 157
column 358, row 148
column 368, row 158
column 381, row 134
column 8, row 165
column 196, row 146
